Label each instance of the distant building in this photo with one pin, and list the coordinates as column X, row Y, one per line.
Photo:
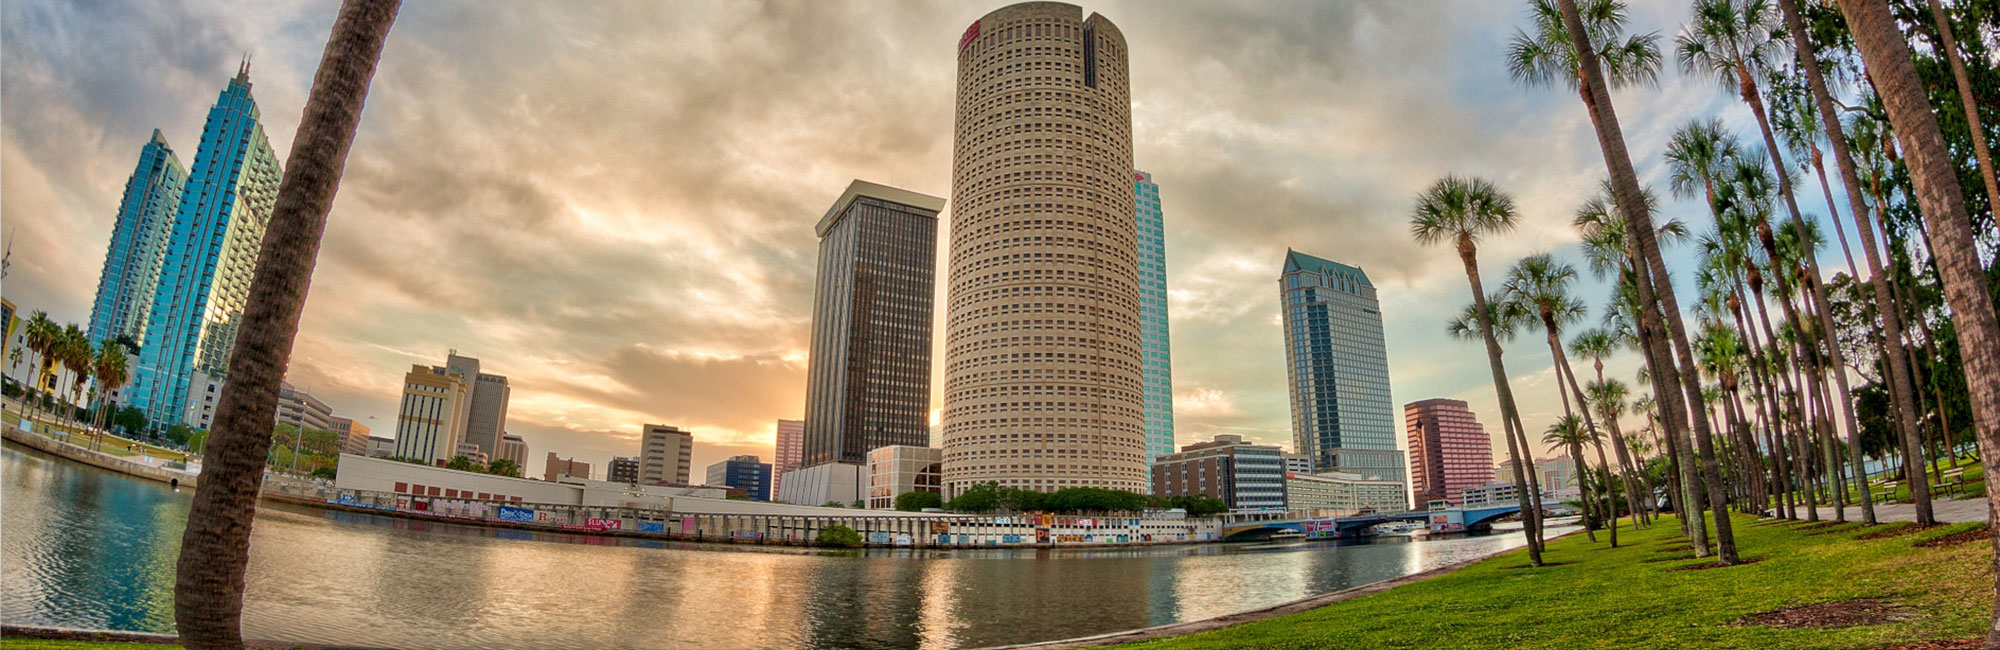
column 1244, row 475
column 139, row 240
column 1449, row 451
column 300, row 409
column 471, row 452
column 428, row 421
column 1157, row 357
column 665, row 454
column 556, row 468
column 204, row 394
column 354, row 433
column 868, row 378
column 1298, row 464
column 380, row 447
column 842, row 483
column 790, row 449
column 513, row 448
column 746, row 473
column 1342, row 493
column 1342, row 417
column 624, row 469
column 896, row 469
column 1552, row 474
column 486, row 410
column 1491, row 494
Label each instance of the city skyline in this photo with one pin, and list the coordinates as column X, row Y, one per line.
column 721, row 349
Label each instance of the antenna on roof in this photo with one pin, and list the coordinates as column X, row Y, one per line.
column 243, row 69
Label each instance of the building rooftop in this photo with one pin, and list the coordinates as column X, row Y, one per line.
column 1297, row 261
column 860, row 188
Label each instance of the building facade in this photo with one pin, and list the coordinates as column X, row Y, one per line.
column 1495, row 493
column 354, row 435
column 1246, row 476
column 666, row 453
column 427, row 422
column 1553, row 474
column 897, row 469
column 1340, row 494
column 1342, row 417
column 747, row 473
column 623, row 469
column 555, row 468
column 868, row 377
column 1044, row 378
column 487, row 418
column 513, row 448
column 790, row 450
column 139, row 240
column 1449, row 451
column 300, row 409
column 218, row 232
column 1157, row 355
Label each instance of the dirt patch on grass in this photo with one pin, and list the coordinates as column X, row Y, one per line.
column 1717, row 565
column 1531, row 566
column 1898, row 530
column 1821, row 525
column 1676, row 549
column 1669, row 558
column 1844, row 613
column 1955, row 539
column 1949, row 644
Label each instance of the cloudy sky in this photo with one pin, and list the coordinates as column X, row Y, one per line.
column 612, row 203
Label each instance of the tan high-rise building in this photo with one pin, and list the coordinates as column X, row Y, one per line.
column 665, row 453
column 1043, row 386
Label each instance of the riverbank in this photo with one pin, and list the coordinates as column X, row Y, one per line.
column 97, row 459
column 1837, row 586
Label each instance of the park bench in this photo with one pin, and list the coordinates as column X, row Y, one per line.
column 1888, row 491
column 1953, row 481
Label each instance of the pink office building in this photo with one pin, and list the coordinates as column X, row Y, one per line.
column 1449, row 451
column 791, row 447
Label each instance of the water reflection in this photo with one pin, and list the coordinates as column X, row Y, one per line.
column 87, row 548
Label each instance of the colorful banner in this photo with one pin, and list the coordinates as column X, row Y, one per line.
column 652, row 527
column 521, row 515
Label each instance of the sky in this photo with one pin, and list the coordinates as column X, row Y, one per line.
column 613, row 203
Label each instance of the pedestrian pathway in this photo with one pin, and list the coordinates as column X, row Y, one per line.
column 1946, row 510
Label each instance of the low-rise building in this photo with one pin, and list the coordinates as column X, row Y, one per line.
column 471, row 451
column 1491, row 494
column 354, row 435
column 1553, row 474
column 747, row 473
column 1298, row 464
column 840, row 483
column 300, row 409
column 555, row 468
column 623, row 469
column 513, row 448
column 1244, row 475
column 381, row 447
column 896, row 469
column 1340, row 494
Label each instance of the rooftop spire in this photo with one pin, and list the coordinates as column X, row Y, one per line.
column 243, row 69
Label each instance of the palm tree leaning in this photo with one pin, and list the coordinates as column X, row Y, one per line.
column 40, row 336
column 1463, row 210
column 112, row 372
column 1949, row 51
column 1887, row 56
column 73, row 351
column 1656, row 292
column 208, row 591
column 1543, row 286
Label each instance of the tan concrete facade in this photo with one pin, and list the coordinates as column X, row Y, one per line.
column 1043, row 384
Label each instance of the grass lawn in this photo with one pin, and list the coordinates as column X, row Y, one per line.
column 1598, row 597
column 1975, row 482
column 113, row 445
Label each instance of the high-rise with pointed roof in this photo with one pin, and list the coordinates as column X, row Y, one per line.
column 1342, row 417
column 218, row 232
column 139, row 242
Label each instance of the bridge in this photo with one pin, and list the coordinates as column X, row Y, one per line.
column 1250, row 526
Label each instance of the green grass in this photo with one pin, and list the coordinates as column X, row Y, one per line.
column 44, row 644
column 113, row 445
column 1975, row 483
column 1599, row 597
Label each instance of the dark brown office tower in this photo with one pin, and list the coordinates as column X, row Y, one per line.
column 869, row 376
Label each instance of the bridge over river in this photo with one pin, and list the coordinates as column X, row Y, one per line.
column 1249, row 526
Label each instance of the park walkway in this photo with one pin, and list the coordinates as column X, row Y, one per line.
column 1946, row 510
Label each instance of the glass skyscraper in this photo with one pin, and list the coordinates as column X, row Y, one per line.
column 1155, row 355
column 218, row 232
column 138, row 244
column 1342, row 417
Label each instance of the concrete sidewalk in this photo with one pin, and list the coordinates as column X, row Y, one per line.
column 1946, row 510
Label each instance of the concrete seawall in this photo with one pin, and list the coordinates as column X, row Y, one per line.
column 97, row 459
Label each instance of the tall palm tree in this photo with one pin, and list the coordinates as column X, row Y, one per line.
column 1543, row 286
column 1660, row 311
column 208, row 591
column 1887, row 56
column 1801, row 130
column 1950, row 53
column 73, row 351
column 1462, row 211
column 1608, row 397
column 112, row 372
column 40, row 336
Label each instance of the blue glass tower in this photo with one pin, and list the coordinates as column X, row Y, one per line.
column 1155, row 356
column 1342, row 417
column 210, row 258
column 138, row 244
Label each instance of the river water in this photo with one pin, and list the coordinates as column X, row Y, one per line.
column 82, row 547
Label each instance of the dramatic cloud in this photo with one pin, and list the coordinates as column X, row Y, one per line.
column 612, row 203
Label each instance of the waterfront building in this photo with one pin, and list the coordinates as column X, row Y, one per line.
column 211, row 255
column 1496, row 493
column 897, row 469
column 300, row 409
column 1553, row 474
column 666, row 453
column 139, row 239
column 746, row 472
column 354, row 435
column 790, row 450
column 1155, row 353
column 623, row 469
column 407, row 479
column 868, row 376
column 513, row 448
column 1044, row 378
column 428, row 421
column 1449, row 451
column 1339, row 368
column 1247, row 476
column 555, row 468
column 1342, row 493
column 842, row 483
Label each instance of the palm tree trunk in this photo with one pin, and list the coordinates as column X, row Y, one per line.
column 1964, row 83
column 1888, row 59
column 215, row 549
column 1833, row 210
column 1510, row 419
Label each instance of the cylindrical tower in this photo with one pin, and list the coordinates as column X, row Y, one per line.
column 1043, row 385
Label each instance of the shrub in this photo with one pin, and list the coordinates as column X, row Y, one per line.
column 838, row 535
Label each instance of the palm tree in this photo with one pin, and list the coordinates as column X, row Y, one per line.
column 1463, row 210
column 1656, row 291
column 1801, row 130
column 215, row 548
column 40, row 335
column 1949, row 52
column 1567, row 433
column 1608, row 397
column 112, row 372
column 73, row 351
column 1542, row 286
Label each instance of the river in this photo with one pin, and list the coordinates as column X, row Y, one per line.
column 83, row 547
